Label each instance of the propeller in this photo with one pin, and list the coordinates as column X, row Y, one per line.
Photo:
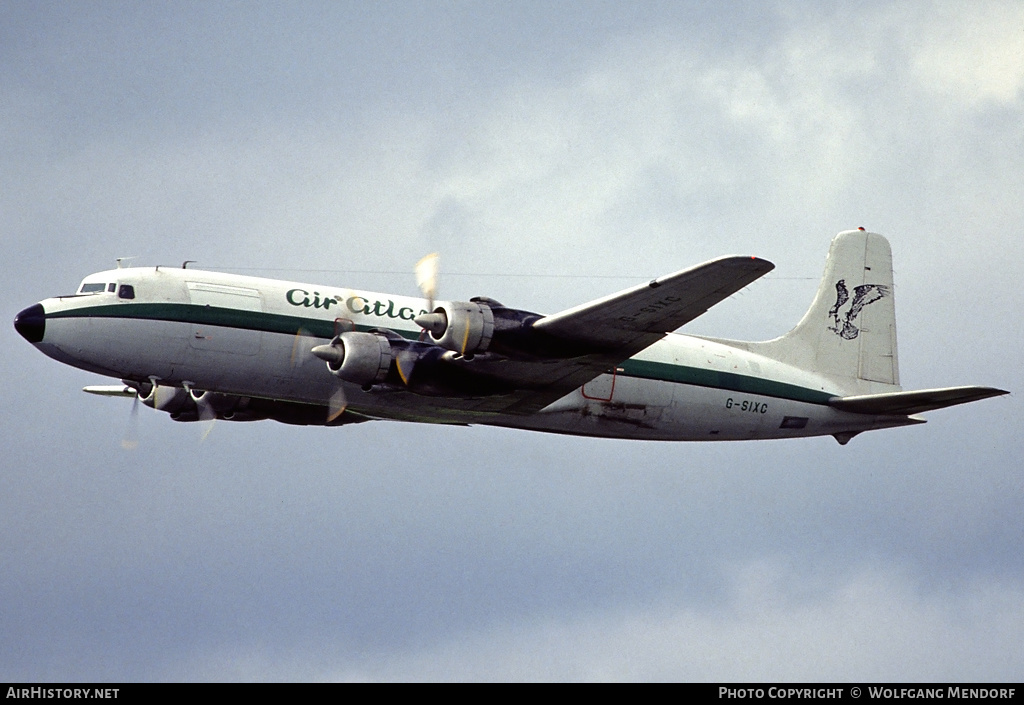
column 436, row 322
column 131, row 434
column 405, row 361
column 303, row 347
column 426, row 278
column 337, row 404
column 204, row 407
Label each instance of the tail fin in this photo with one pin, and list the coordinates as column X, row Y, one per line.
column 849, row 333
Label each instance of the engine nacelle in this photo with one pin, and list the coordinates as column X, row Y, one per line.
column 356, row 357
column 464, row 327
column 484, row 325
column 469, row 327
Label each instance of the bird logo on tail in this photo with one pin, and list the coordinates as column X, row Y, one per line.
column 862, row 296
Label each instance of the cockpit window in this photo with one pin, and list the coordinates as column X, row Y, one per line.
column 93, row 288
column 126, row 291
column 111, row 287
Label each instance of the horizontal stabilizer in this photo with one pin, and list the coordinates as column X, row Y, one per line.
column 906, row 403
column 110, row 390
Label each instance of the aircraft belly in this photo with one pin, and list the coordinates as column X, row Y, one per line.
column 701, row 413
column 282, row 370
column 694, row 413
column 621, row 408
column 120, row 347
column 264, row 367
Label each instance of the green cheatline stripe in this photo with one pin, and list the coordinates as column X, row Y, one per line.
column 290, row 325
column 215, row 316
column 728, row 381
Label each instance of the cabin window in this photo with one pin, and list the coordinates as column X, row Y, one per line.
column 92, row 288
column 127, row 291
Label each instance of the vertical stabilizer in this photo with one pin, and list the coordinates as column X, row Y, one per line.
column 849, row 333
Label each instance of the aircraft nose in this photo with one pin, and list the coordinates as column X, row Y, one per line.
column 31, row 323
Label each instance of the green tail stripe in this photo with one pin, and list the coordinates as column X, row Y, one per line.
column 729, row 381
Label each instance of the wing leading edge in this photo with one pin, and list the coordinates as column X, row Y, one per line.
column 636, row 318
column 611, row 329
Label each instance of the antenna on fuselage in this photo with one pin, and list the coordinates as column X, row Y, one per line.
column 186, row 263
column 124, row 259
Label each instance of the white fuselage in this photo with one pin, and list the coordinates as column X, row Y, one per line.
column 250, row 337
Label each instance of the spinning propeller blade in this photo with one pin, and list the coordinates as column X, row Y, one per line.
column 207, row 414
column 302, row 344
column 405, row 361
column 337, row 404
column 426, row 278
column 131, row 434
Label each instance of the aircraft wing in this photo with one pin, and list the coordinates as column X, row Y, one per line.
column 636, row 318
column 606, row 331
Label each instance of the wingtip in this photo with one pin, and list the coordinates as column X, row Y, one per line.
column 753, row 262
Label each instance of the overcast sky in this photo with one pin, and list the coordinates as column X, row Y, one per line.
column 605, row 143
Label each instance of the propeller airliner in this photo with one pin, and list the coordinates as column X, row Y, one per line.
column 207, row 345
